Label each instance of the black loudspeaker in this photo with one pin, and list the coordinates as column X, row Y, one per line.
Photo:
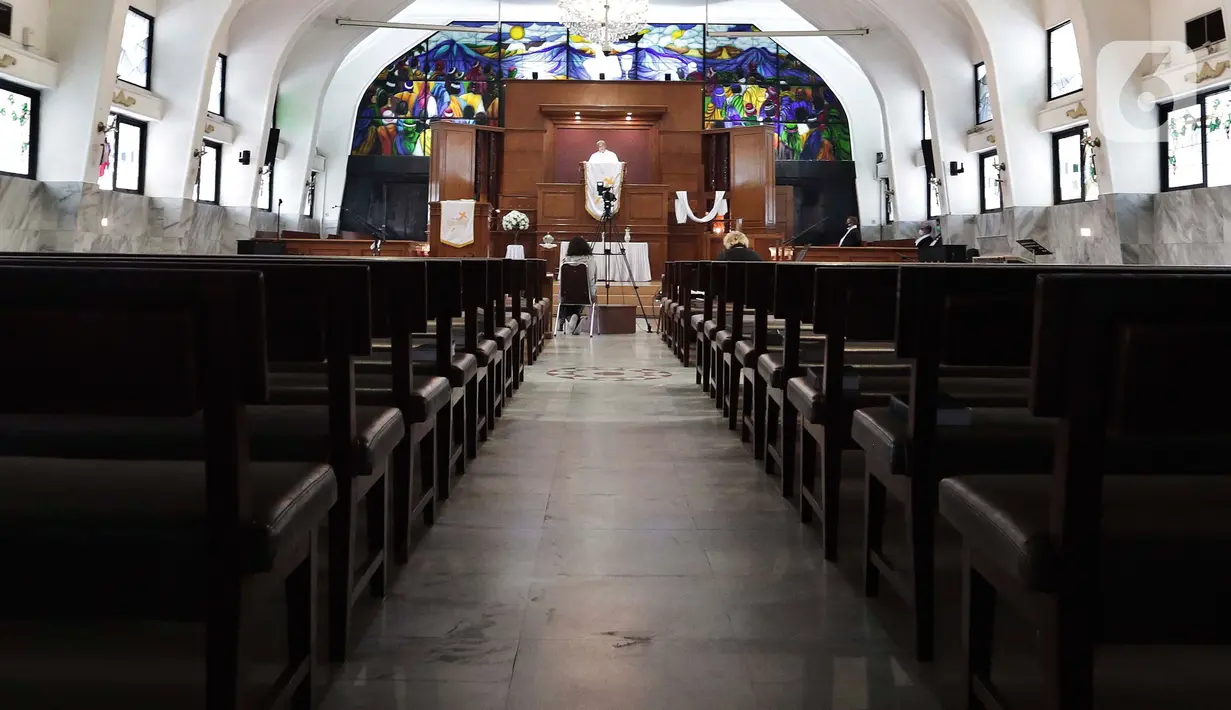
column 271, row 148
column 260, row 246
column 929, row 158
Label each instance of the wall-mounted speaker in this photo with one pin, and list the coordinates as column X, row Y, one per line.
column 956, row 168
column 929, row 158
column 271, row 147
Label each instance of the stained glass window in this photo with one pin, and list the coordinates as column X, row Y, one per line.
column 739, row 59
column 459, row 76
column 18, row 130
column 677, row 51
column 534, row 48
column 135, row 47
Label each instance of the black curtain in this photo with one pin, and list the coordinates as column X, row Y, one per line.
column 386, row 192
column 824, row 197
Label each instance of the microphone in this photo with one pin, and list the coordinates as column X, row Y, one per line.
column 802, row 232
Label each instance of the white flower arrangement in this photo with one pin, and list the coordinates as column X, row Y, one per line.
column 515, row 221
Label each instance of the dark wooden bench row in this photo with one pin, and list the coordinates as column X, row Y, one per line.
column 958, row 383
column 154, row 403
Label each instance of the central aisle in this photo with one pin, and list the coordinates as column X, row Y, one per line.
column 615, row 547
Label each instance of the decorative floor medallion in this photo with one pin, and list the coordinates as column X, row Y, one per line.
column 608, row 374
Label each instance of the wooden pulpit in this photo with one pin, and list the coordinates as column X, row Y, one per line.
column 465, row 165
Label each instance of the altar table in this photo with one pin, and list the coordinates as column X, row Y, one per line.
column 638, row 259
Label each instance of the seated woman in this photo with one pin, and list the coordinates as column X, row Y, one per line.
column 737, row 248
column 578, row 252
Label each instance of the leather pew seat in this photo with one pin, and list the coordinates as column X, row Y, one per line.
column 278, row 433
column 747, row 356
column 725, row 341
column 462, row 368
column 998, row 440
column 696, row 321
column 1166, row 526
column 428, row 395
column 150, row 514
column 486, row 352
column 503, row 337
column 877, row 383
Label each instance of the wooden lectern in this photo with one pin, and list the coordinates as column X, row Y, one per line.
column 465, row 165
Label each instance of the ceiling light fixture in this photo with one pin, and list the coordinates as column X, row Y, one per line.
column 858, row 32
column 376, row 24
column 604, row 22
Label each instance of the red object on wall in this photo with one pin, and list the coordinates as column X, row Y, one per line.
column 631, row 145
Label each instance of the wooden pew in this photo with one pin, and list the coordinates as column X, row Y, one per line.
column 316, row 312
column 718, row 285
column 515, row 277
column 685, row 333
column 195, row 540
column 759, row 291
column 444, row 298
column 701, row 338
column 666, row 325
column 792, row 304
column 730, row 368
column 502, row 330
column 1089, row 557
column 474, row 296
column 968, row 316
column 850, row 303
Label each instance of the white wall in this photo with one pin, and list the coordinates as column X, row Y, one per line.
column 34, row 14
column 1167, row 17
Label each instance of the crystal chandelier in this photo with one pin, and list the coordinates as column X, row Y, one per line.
column 604, row 22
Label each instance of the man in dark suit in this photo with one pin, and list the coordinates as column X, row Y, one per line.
column 927, row 237
column 852, row 237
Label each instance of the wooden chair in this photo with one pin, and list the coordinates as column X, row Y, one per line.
column 1088, row 556
column 759, row 293
column 318, row 312
column 720, row 324
column 193, row 540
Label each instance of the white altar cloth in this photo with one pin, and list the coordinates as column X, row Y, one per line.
column 515, row 251
column 638, row 259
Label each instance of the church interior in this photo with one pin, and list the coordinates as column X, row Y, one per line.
column 596, row 354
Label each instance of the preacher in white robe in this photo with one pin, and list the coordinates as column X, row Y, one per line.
column 602, row 155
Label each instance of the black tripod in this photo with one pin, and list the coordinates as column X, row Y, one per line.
column 606, row 226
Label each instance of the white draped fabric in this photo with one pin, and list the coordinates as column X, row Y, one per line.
column 609, row 174
column 515, row 251
column 457, row 223
column 638, row 259
column 683, row 210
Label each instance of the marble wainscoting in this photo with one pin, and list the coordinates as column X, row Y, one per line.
column 1190, row 227
column 21, row 214
column 80, row 217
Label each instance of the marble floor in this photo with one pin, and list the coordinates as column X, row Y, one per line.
column 615, row 547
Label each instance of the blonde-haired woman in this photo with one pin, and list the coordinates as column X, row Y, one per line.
column 737, row 249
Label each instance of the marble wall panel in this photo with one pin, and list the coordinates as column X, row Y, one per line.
column 959, row 229
column 990, row 224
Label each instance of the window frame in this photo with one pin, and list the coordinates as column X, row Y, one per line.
column 1051, row 64
column 9, row 32
column 983, row 183
column 220, row 65
column 989, row 89
column 310, row 194
column 1165, row 110
column 149, row 55
column 35, row 97
column 143, row 128
column 268, row 206
column 1205, row 27
column 1079, row 131
column 217, row 147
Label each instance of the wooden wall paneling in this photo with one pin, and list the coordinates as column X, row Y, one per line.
column 558, row 205
column 524, row 163
column 784, row 201
column 752, row 176
column 644, row 206
column 452, row 172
